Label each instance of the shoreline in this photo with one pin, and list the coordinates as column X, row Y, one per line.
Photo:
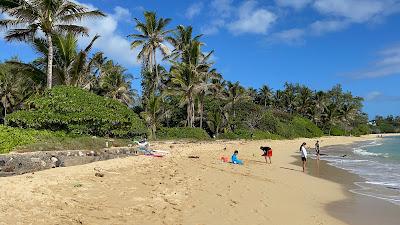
column 180, row 190
column 355, row 209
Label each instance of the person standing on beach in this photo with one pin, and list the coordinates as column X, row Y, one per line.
column 267, row 154
column 303, row 151
column 317, row 149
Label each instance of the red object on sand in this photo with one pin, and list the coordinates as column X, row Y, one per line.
column 224, row 159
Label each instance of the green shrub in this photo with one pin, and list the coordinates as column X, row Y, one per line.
column 249, row 135
column 305, row 128
column 11, row 138
column 78, row 111
column 228, row 135
column 182, row 133
column 361, row 129
column 262, row 135
column 338, row 131
column 269, row 123
column 286, row 130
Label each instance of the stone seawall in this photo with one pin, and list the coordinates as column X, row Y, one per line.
column 21, row 163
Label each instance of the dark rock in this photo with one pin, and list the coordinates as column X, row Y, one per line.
column 98, row 174
column 2, row 162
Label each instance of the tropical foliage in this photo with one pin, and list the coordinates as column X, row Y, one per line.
column 183, row 95
column 78, row 111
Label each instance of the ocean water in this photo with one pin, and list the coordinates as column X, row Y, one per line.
column 378, row 162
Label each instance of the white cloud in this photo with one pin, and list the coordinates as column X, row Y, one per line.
column 213, row 27
column 223, row 8
column 354, row 10
column 374, row 96
column 114, row 45
column 320, row 27
column 122, row 13
column 292, row 36
column 252, row 19
column 388, row 64
column 297, row 4
column 194, row 10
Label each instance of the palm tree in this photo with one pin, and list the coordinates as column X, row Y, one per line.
column 265, row 94
column 234, row 93
column 290, row 95
column 186, row 78
column 71, row 67
column 49, row 16
column 206, row 84
column 215, row 121
column 304, row 101
column 151, row 38
column 154, row 114
column 252, row 92
column 115, row 83
column 14, row 89
column 181, row 40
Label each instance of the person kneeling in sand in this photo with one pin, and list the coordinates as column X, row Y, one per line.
column 235, row 160
column 267, row 154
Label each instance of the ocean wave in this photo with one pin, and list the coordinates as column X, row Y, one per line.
column 388, row 184
column 360, row 151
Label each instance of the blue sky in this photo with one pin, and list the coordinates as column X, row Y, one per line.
column 318, row 43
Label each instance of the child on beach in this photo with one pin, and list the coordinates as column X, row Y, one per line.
column 317, row 149
column 267, row 154
column 235, row 160
column 303, row 151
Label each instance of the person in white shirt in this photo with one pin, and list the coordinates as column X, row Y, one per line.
column 303, row 151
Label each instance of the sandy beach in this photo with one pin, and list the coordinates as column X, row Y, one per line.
column 180, row 190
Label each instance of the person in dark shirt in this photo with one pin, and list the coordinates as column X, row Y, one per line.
column 267, row 153
column 317, row 149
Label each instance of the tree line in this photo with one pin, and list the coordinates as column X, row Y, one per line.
column 181, row 89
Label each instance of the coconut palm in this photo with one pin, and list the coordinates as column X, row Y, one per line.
column 115, row 83
column 14, row 89
column 151, row 38
column 48, row 16
column 71, row 66
column 216, row 121
column 181, row 40
column 187, row 78
column 304, row 101
column 154, row 114
column 265, row 94
column 235, row 93
column 252, row 93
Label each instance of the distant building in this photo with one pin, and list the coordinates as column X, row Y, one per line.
column 372, row 123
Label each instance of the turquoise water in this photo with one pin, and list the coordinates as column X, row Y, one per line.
column 388, row 147
column 378, row 162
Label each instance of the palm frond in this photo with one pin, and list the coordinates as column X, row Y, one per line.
column 74, row 29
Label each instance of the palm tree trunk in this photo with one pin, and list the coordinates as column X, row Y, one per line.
column 50, row 62
column 5, row 115
column 201, row 111
column 192, row 122
column 188, row 113
column 156, row 68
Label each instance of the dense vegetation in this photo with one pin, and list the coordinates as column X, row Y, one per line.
column 11, row 138
column 78, row 111
column 186, row 98
column 389, row 124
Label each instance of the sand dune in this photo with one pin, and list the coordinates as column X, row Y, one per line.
column 177, row 190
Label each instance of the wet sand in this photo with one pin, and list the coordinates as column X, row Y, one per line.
column 355, row 209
